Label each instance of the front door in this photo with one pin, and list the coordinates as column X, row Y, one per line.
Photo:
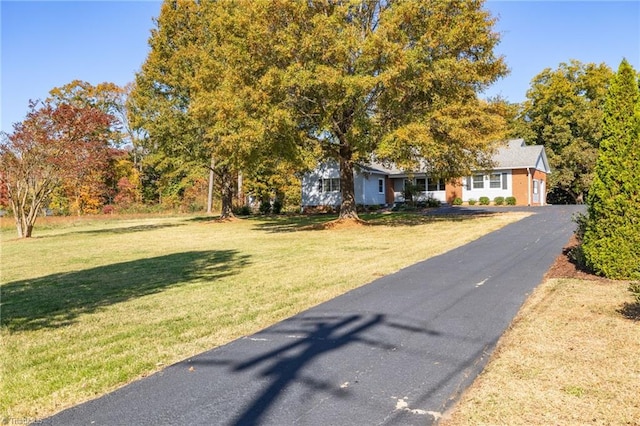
column 536, row 191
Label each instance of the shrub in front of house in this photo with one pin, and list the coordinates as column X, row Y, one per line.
column 457, row 201
column 433, row 202
column 242, row 211
column 276, row 208
column 472, row 202
column 403, row 207
column 498, row 201
column 265, row 207
column 484, row 201
column 511, row 201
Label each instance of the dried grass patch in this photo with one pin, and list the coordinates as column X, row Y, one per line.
column 570, row 358
column 335, row 224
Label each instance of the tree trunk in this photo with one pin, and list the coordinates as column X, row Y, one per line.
column 240, row 195
column 210, row 193
column 19, row 226
column 348, row 205
column 24, row 224
column 24, row 221
column 226, row 183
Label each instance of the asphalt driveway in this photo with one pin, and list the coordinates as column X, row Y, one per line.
column 397, row 351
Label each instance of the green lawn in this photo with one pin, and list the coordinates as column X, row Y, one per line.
column 90, row 305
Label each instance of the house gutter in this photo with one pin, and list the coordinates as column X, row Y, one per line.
column 528, row 186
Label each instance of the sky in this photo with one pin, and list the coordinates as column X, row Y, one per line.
column 47, row 44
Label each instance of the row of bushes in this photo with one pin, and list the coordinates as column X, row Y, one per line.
column 485, row 201
column 419, row 204
column 266, row 207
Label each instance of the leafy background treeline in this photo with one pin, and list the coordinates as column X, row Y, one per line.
column 237, row 99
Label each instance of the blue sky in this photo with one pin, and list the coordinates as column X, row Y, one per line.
column 46, row 44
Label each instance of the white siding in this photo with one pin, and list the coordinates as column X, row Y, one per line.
column 540, row 164
column 311, row 196
column 367, row 189
column 475, row 193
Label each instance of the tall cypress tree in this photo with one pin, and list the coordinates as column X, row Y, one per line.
column 611, row 243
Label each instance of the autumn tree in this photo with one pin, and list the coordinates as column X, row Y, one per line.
column 54, row 144
column 200, row 96
column 107, row 97
column 247, row 124
column 277, row 181
column 111, row 99
column 563, row 112
column 159, row 104
column 124, row 179
column 611, row 241
column 397, row 80
column 347, row 80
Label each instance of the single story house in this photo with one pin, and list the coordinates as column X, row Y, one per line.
column 519, row 171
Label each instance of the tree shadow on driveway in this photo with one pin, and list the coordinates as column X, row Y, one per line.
column 56, row 300
column 299, row 352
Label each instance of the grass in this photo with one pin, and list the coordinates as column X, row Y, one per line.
column 90, row 305
column 570, row 358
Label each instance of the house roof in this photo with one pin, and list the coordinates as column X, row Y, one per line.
column 518, row 155
column 375, row 167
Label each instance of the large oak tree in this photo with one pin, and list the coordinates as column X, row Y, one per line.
column 393, row 80
column 349, row 80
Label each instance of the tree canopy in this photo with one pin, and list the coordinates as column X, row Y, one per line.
column 396, row 80
column 563, row 112
column 348, row 80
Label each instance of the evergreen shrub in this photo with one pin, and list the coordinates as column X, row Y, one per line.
column 242, row 210
column 433, row 202
column 265, row 207
column 276, row 208
column 611, row 241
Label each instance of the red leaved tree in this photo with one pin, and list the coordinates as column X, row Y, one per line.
column 54, row 145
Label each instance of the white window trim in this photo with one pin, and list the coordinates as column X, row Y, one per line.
column 474, row 182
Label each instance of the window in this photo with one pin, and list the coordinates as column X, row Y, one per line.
column 329, row 185
column 335, row 185
column 478, row 181
column 435, row 185
column 421, row 185
column 381, row 186
column 495, row 181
